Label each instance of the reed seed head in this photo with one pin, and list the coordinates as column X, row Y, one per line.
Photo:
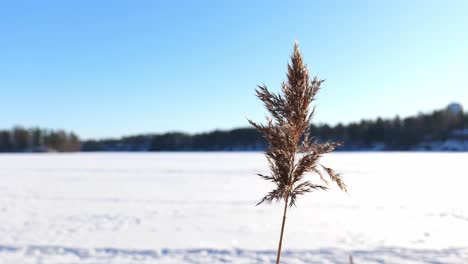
column 292, row 152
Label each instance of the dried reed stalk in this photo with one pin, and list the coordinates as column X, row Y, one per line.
column 292, row 152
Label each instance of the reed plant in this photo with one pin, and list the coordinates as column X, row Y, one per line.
column 292, row 151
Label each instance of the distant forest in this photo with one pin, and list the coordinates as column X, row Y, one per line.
column 445, row 129
column 20, row 139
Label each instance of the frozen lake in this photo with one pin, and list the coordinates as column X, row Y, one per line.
column 200, row 208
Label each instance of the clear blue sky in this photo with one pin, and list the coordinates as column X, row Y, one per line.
column 112, row 68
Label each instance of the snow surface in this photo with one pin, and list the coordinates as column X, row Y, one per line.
column 200, row 208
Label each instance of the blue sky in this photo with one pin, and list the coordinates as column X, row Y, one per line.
column 112, row 68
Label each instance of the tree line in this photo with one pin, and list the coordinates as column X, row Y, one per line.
column 396, row 133
column 19, row 139
column 234, row 140
column 379, row 134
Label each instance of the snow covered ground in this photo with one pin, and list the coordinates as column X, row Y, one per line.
column 200, row 208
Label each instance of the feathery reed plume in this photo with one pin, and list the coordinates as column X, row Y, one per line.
column 292, row 152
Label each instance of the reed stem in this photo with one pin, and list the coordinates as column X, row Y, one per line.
column 278, row 254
